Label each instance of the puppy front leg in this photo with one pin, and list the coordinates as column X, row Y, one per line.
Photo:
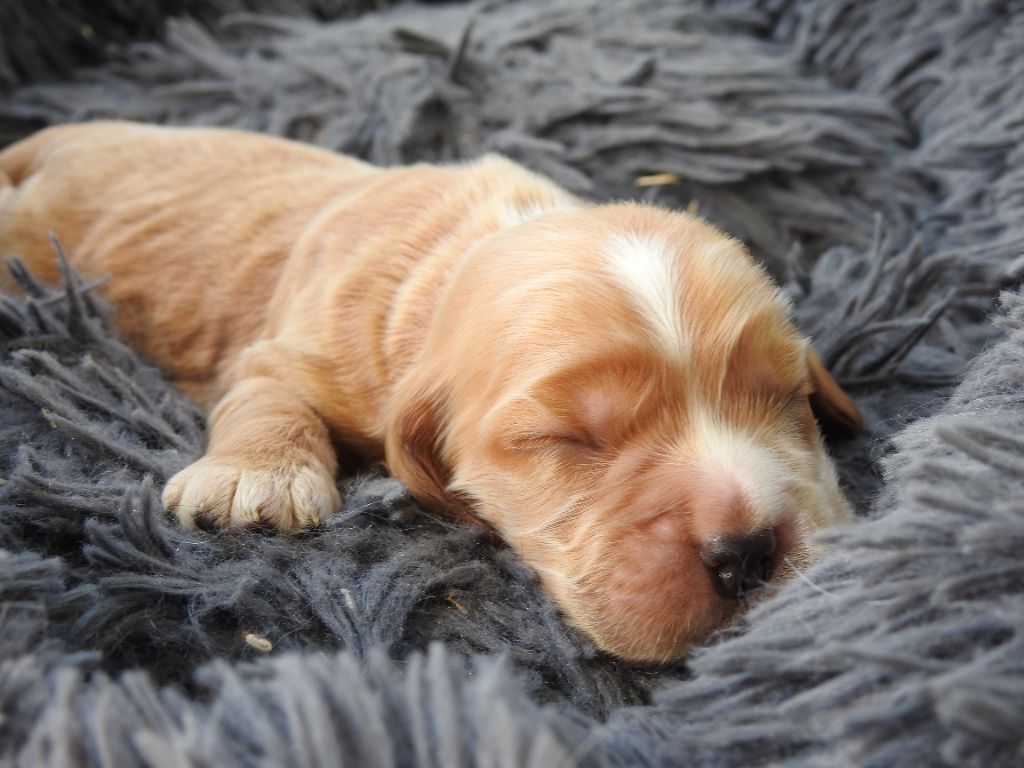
column 269, row 461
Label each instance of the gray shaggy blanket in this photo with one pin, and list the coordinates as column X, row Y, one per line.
column 871, row 152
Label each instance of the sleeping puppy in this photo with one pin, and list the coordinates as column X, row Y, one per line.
column 616, row 389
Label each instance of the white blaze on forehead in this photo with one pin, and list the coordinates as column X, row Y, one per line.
column 646, row 267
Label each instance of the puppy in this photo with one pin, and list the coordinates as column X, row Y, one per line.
column 616, row 389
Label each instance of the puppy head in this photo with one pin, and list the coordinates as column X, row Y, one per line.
column 619, row 392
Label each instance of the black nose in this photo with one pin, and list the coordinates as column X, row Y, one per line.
column 740, row 564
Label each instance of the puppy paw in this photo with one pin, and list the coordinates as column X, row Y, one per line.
column 231, row 491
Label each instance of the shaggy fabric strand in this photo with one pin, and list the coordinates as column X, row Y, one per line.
column 871, row 154
column 49, row 40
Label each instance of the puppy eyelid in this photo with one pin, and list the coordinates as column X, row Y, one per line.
column 799, row 393
column 578, row 441
column 535, row 440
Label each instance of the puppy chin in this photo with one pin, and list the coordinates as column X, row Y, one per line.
column 651, row 602
column 638, row 587
column 646, row 614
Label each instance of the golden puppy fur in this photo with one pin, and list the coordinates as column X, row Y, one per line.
column 612, row 388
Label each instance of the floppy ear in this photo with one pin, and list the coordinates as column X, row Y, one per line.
column 413, row 446
column 835, row 411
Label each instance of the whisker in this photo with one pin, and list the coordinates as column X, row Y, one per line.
column 800, row 575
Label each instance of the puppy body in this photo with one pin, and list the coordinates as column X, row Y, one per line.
column 613, row 388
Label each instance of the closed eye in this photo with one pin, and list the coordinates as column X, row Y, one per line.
column 799, row 394
column 532, row 441
column 782, row 403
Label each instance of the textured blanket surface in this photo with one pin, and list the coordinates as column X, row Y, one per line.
column 869, row 152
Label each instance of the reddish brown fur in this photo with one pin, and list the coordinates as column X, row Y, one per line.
column 497, row 369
